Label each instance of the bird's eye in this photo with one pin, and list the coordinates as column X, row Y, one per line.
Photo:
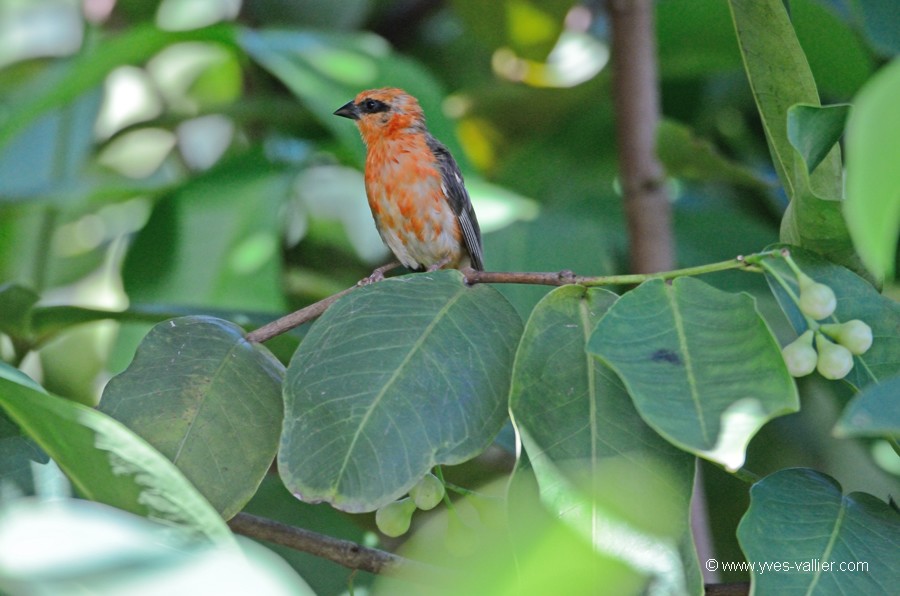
column 372, row 106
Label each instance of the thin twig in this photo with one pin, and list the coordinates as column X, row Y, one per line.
column 558, row 278
column 566, row 277
column 295, row 319
column 343, row 552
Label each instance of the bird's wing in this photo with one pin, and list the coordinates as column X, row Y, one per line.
column 460, row 202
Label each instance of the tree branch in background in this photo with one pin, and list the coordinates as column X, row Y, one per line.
column 647, row 211
column 343, row 552
column 636, row 99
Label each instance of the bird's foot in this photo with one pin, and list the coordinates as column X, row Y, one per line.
column 378, row 274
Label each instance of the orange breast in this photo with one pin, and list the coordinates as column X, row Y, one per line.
column 408, row 203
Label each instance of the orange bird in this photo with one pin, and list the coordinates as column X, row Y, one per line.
column 415, row 189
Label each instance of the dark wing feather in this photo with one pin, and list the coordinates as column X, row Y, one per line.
column 459, row 200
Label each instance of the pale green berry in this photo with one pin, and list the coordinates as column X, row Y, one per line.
column 835, row 361
column 854, row 335
column 428, row 492
column 394, row 518
column 800, row 356
column 816, row 300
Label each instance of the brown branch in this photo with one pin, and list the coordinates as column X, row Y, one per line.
column 557, row 278
column 636, row 98
column 295, row 319
column 343, row 552
column 734, row 589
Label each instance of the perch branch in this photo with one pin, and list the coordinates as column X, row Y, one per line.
column 295, row 319
column 558, row 278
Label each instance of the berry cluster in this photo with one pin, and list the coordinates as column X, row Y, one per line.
column 828, row 348
column 394, row 518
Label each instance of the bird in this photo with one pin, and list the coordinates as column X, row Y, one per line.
column 414, row 186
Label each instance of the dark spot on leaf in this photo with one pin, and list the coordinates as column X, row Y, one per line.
column 663, row 355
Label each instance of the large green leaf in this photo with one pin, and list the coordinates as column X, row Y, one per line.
column 856, row 299
column 216, row 412
column 824, row 542
column 780, row 77
column 873, row 152
column 214, row 242
column 597, row 462
column 107, row 462
column 395, row 378
column 700, row 364
column 873, row 413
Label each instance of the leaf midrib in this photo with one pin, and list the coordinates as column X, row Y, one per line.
column 384, row 389
column 688, row 363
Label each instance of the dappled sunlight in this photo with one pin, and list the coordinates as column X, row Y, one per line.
column 577, row 56
column 138, row 153
column 129, row 97
column 37, row 29
column 181, row 15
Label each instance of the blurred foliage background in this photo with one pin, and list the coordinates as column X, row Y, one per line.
column 180, row 156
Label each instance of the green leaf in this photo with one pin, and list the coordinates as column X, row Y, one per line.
column 215, row 413
column 873, row 412
column 686, row 156
column 214, row 242
column 813, row 130
column 393, row 379
column 596, row 461
column 700, row 364
column 18, row 453
column 16, row 303
column 63, row 85
column 856, row 299
column 800, row 518
column 108, row 463
column 873, row 152
column 780, row 77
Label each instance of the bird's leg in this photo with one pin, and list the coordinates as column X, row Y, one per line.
column 378, row 274
column 439, row 264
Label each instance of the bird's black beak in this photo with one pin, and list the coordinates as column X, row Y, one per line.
column 348, row 110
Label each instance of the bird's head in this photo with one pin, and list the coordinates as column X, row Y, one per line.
column 384, row 113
